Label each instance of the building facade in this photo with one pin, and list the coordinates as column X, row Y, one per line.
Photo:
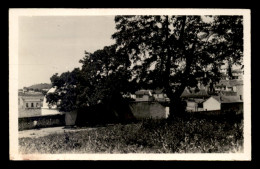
column 30, row 103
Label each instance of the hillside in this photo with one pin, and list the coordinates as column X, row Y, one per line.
column 40, row 86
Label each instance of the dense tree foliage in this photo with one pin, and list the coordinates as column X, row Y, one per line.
column 97, row 88
column 174, row 52
column 66, row 93
column 169, row 52
column 105, row 73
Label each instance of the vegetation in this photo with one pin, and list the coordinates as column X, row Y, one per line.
column 174, row 52
column 169, row 52
column 183, row 135
column 96, row 88
column 40, row 86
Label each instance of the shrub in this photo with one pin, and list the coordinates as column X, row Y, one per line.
column 191, row 135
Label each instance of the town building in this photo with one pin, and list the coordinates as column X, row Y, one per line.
column 237, row 74
column 30, row 103
column 194, row 98
column 160, row 96
column 143, row 96
column 226, row 104
column 232, row 87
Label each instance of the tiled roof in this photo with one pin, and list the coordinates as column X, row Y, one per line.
column 158, row 91
column 237, row 71
column 228, row 93
column 228, row 99
column 143, row 92
column 193, row 93
column 230, row 83
column 197, row 100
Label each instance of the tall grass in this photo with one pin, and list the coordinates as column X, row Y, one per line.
column 190, row 135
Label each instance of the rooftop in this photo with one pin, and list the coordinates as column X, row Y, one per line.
column 143, row 92
column 158, row 91
column 230, row 83
column 194, row 93
column 228, row 99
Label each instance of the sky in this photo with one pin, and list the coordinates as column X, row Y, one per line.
column 55, row 44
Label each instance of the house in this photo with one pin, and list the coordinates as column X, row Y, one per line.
column 211, row 104
column 194, row 105
column 194, row 98
column 143, row 110
column 30, row 103
column 237, row 74
column 232, row 87
column 160, row 96
column 48, row 109
column 224, row 103
column 236, row 71
column 144, row 95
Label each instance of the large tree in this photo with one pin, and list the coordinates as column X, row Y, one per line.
column 174, row 52
column 95, row 88
column 105, row 73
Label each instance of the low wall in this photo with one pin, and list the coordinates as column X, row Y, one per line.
column 212, row 112
column 29, row 112
column 143, row 110
column 26, row 123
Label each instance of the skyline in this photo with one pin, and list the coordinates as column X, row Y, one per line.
column 55, row 44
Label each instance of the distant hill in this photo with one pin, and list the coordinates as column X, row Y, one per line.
column 40, row 86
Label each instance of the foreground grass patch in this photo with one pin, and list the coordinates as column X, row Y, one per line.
column 148, row 136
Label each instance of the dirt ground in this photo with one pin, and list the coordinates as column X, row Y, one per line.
column 34, row 133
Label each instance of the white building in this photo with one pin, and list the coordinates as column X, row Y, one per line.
column 144, row 95
column 49, row 109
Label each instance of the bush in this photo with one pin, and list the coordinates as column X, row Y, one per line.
column 147, row 136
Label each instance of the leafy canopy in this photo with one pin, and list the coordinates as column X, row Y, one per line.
column 174, row 52
column 104, row 75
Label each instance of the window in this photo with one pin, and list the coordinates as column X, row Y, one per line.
column 241, row 97
column 139, row 96
column 37, row 104
column 31, row 104
column 27, row 105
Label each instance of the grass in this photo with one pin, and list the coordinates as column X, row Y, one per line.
column 190, row 135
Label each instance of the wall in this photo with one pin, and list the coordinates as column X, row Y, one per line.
column 191, row 105
column 211, row 104
column 29, row 112
column 142, row 110
column 47, row 111
column 22, row 100
column 26, row 123
column 236, row 108
column 144, row 98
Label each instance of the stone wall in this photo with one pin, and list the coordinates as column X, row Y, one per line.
column 143, row 110
column 26, row 123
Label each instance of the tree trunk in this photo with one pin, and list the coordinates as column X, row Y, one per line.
column 176, row 106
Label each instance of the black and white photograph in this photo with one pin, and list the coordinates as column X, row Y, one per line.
column 129, row 84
